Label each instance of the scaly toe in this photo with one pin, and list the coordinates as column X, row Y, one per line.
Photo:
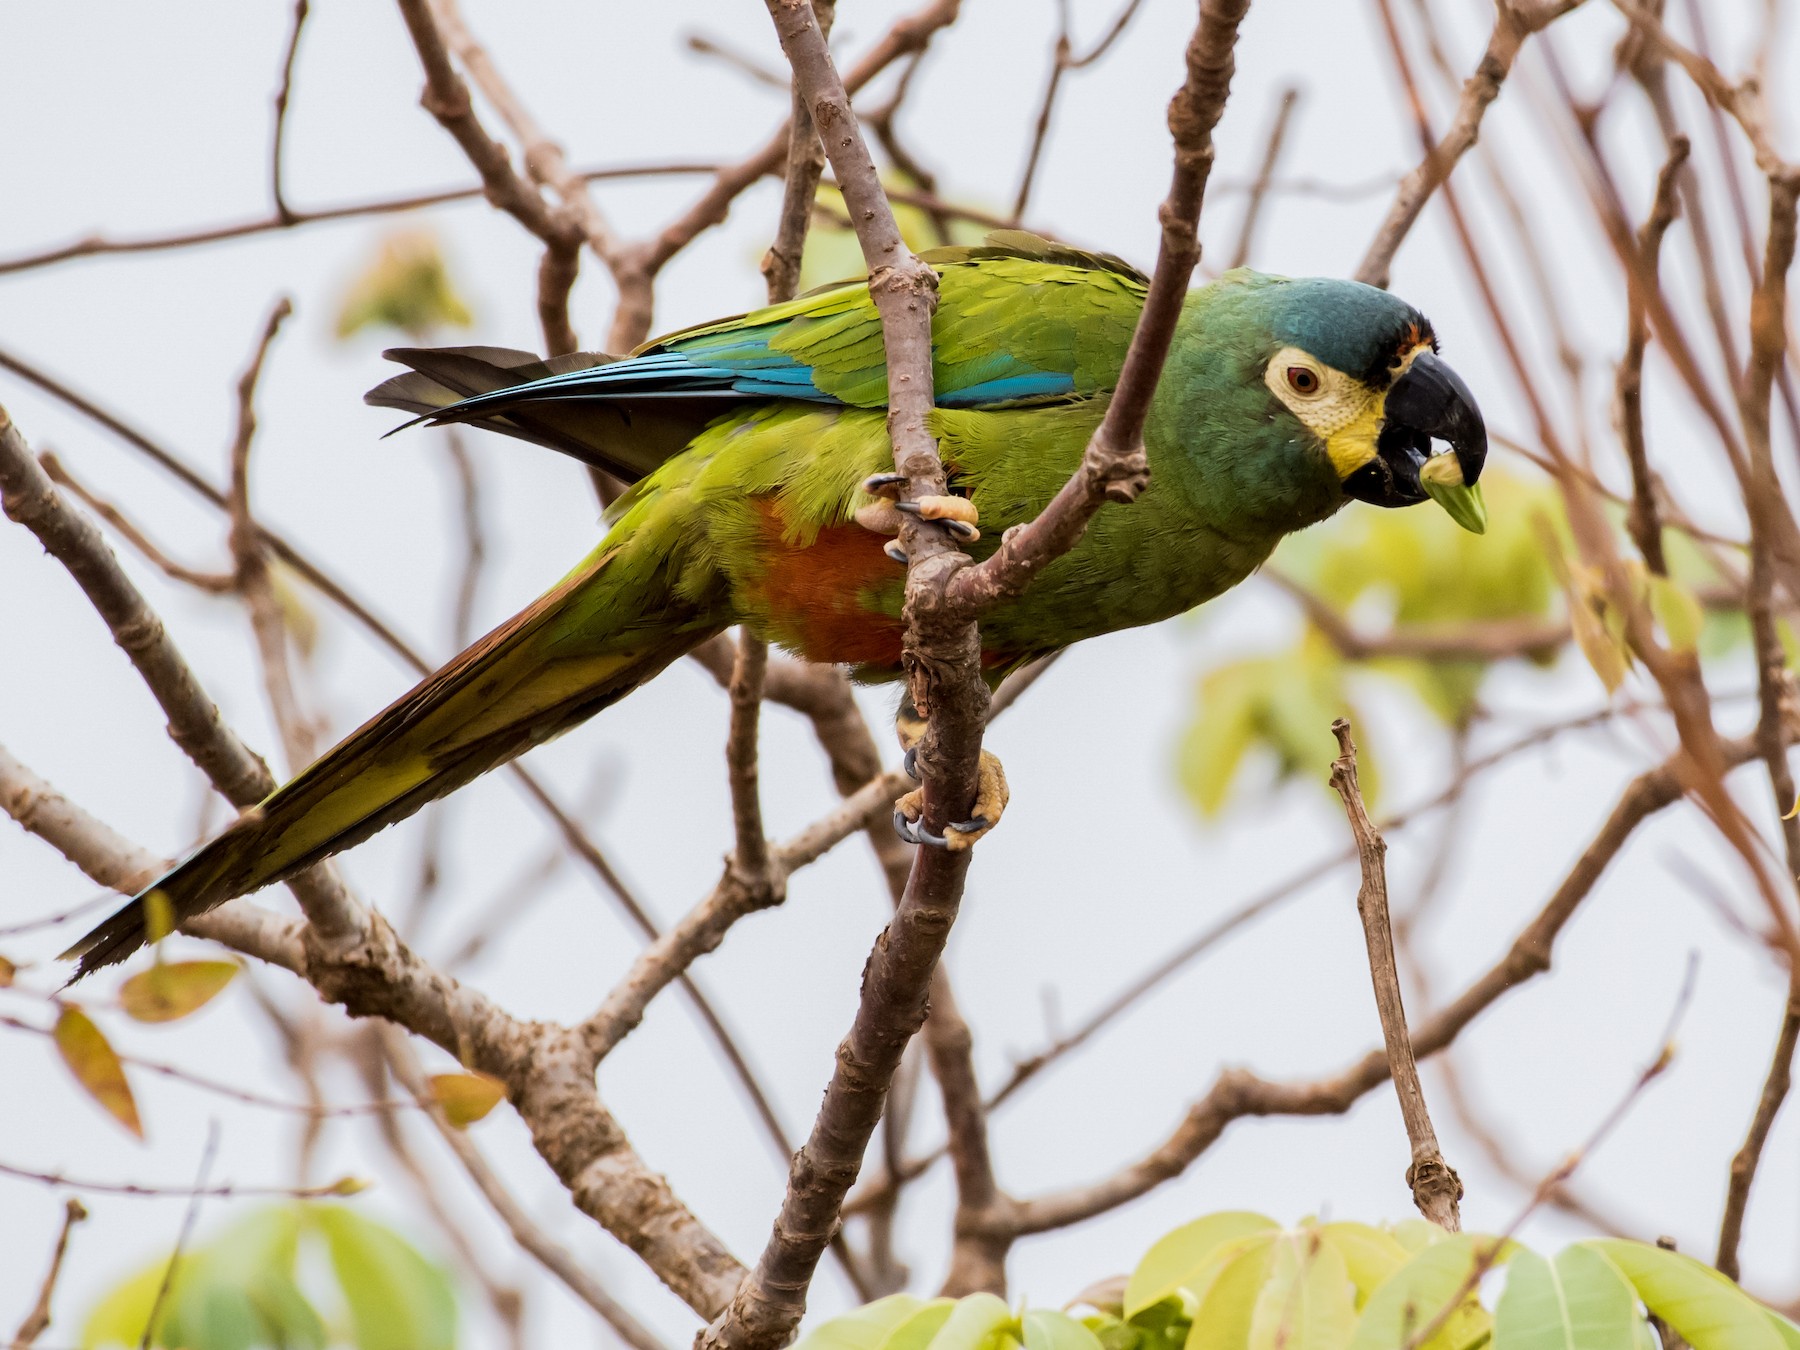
column 879, row 518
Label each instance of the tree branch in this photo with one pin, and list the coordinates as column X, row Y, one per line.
column 1513, row 23
column 37, row 1321
column 1435, row 1186
column 1238, row 1093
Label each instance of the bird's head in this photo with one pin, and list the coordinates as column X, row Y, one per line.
column 1358, row 373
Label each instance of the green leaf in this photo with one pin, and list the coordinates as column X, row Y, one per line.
column 1581, row 1301
column 1677, row 611
column 978, row 1322
column 864, row 1329
column 1411, row 1299
column 1306, row 1302
column 91, row 1058
column 398, row 1300
column 914, row 1331
column 1044, row 1329
column 1179, row 1260
column 170, row 990
column 233, row 1293
column 1789, row 1333
column 1709, row 1311
column 1226, row 1312
column 1369, row 1255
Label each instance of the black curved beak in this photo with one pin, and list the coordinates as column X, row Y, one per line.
column 1429, row 402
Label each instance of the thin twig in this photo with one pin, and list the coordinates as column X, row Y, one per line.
column 1063, row 60
column 549, row 1253
column 37, row 1321
column 250, row 565
column 1513, row 23
column 1435, row 1186
column 228, row 1191
column 1238, row 1093
column 1642, row 519
column 213, row 583
column 1487, row 1254
column 182, row 1236
column 198, row 236
column 1265, row 177
column 1745, row 1161
column 282, row 212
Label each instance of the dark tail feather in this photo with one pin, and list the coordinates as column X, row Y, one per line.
column 628, row 438
column 509, row 692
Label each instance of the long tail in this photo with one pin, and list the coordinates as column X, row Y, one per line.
column 537, row 675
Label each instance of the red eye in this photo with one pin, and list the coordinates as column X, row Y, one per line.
column 1302, row 381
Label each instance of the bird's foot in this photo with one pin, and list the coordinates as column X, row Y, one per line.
column 991, row 797
column 886, row 514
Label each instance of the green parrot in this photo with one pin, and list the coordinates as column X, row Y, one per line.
column 762, row 495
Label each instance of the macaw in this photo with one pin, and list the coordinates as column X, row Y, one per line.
column 762, row 493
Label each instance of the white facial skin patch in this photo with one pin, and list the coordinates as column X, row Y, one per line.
column 1339, row 409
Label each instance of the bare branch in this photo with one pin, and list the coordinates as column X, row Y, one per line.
column 31, row 500
column 549, row 1253
column 251, row 567
column 213, row 583
column 446, row 98
column 227, row 1191
column 907, row 36
column 1745, row 1162
column 37, row 1321
column 183, row 1234
column 282, row 94
column 1265, row 176
column 1114, row 466
column 197, row 236
column 1513, row 23
column 1642, row 519
column 1062, row 61
column 1435, row 1186
column 1238, row 1093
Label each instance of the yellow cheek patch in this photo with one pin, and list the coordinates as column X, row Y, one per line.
column 1353, row 445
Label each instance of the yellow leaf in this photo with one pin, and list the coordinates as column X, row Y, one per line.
column 347, row 1186
column 159, row 917
column 466, row 1097
column 173, row 989
column 85, row 1050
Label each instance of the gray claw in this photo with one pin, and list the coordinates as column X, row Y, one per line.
column 961, row 529
column 916, row 833
column 910, row 762
column 969, row 826
column 884, row 484
column 895, row 550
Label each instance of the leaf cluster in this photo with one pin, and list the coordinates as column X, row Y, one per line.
column 244, row 1289
column 1240, row 1281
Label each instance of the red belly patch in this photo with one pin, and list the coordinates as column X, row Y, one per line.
column 815, row 597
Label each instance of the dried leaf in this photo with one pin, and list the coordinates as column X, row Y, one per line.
column 173, row 989
column 466, row 1097
column 96, row 1067
column 7, row 971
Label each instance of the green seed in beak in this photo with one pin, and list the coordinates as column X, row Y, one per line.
column 1442, row 479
